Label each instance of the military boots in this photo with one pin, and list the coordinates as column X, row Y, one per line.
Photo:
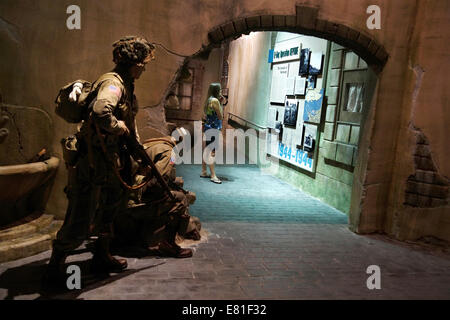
column 170, row 249
column 103, row 261
column 55, row 275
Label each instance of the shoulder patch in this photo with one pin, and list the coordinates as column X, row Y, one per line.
column 173, row 158
column 115, row 90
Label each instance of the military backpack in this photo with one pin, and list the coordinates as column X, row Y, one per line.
column 76, row 111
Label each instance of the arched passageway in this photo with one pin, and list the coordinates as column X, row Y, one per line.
column 342, row 40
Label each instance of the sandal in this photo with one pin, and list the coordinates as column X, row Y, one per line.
column 216, row 180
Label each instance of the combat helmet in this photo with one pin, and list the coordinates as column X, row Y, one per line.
column 132, row 50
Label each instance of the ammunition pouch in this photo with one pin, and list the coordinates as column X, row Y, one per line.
column 70, row 150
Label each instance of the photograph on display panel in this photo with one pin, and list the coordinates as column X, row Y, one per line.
column 315, row 64
column 312, row 79
column 290, row 112
column 304, row 62
column 309, row 137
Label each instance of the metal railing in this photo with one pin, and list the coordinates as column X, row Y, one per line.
column 231, row 116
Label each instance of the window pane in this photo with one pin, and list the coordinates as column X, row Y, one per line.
column 185, row 103
column 186, row 89
column 355, row 93
column 351, row 60
column 362, row 64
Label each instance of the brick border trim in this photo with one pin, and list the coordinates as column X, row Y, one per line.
column 305, row 22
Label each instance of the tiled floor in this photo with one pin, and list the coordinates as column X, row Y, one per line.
column 266, row 240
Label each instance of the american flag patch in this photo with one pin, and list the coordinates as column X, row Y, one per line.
column 172, row 158
column 115, row 90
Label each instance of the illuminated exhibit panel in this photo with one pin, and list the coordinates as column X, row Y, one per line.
column 296, row 98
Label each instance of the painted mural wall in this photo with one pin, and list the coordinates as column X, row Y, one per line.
column 249, row 77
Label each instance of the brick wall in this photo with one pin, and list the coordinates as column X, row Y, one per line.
column 426, row 188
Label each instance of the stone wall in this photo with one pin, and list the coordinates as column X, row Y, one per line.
column 418, row 202
column 30, row 130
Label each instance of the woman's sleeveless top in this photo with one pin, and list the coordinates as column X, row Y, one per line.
column 212, row 121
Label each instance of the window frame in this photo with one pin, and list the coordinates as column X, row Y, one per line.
column 179, row 90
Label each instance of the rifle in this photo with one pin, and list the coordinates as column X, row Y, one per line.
column 138, row 150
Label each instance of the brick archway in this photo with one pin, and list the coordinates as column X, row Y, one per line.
column 305, row 22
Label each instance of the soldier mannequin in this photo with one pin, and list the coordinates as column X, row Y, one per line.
column 94, row 189
column 149, row 222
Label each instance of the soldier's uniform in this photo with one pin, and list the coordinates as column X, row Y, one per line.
column 152, row 218
column 94, row 191
column 146, row 224
column 98, row 160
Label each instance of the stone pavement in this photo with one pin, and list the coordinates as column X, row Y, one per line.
column 265, row 240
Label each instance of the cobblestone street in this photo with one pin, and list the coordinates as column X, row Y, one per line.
column 264, row 240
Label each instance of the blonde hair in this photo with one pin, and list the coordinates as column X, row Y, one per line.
column 213, row 92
